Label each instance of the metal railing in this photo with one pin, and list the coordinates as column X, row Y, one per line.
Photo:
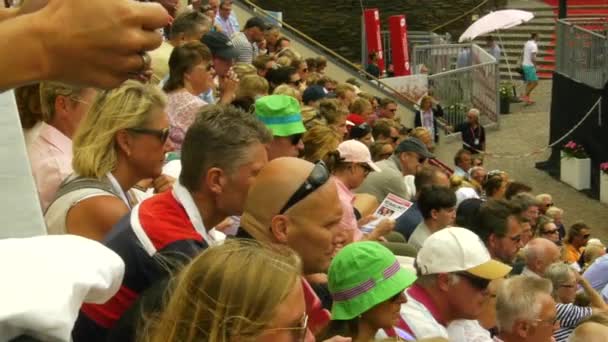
column 461, row 77
column 413, row 38
column 581, row 54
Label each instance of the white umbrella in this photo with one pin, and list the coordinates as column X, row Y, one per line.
column 499, row 20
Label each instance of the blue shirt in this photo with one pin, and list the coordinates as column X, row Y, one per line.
column 407, row 223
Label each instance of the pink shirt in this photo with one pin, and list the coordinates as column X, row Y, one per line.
column 50, row 156
column 182, row 108
column 349, row 221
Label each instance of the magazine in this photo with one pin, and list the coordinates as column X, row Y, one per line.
column 391, row 207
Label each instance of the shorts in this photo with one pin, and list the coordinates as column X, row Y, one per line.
column 529, row 73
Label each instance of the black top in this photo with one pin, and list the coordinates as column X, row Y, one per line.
column 475, row 138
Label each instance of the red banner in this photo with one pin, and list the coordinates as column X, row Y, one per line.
column 399, row 49
column 372, row 34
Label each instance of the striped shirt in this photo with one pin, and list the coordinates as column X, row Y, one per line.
column 569, row 315
column 247, row 51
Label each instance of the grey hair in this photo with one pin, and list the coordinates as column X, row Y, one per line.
column 220, row 137
column 543, row 197
column 554, row 210
column 559, row 273
column 475, row 169
column 518, row 299
column 475, row 112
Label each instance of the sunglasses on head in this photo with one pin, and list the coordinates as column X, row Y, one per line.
column 318, row 176
column 161, row 134
column 476, row 282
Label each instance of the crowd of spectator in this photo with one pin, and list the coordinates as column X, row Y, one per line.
column 239, row 185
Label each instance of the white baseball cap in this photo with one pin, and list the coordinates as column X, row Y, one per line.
column 354, row 151
column 458, row 249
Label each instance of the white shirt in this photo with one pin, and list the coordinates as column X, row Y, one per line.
column 529, row 49
column 420, row 234
column 420, row 320
column 464, row 330
column 528, row 272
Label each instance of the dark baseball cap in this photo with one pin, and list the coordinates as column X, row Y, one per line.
column 313, row 93
column 220, row 45
column 256, row 22
column 413, row 145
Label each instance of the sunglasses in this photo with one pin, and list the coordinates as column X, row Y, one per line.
column 296, row 138
column 392, row 110
column 421, row 160
column 318, row 176
column 476, row 282
column 296, row 83
column 552, row 231
column 394, row 139
column 586, row 236
column 161, row 134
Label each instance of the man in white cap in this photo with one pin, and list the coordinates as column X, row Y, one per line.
column 454, row 269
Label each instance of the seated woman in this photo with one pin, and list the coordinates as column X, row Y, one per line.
column 121, row 141
column 191, row 73
column 251, row 87
column 565, row 285
column 360, row 314
column 361, row 132
column 360, row 111
column 335, row 117
column 216, row 298
column 547, row 229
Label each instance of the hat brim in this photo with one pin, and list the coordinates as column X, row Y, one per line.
column 286, row 129
column 381, row 292
column 227, row 53
column 491, row 269
column 374, row 166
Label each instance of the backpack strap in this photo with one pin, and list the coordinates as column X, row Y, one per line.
column 74, row 182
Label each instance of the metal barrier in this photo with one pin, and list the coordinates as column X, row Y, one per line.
column 461, row 77
column 581, row 54
column 413, row 38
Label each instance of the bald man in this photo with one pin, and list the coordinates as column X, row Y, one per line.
column 295, row 203
column 590, row 332
column 539, row 254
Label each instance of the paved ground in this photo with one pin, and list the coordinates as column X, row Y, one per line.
column 526, row 130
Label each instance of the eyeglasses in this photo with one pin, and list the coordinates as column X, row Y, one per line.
column 549, row 321
column 552, row 231
column 318, row 176
column 296, row 138
column 162, row 134
column 366, row 168
column 299, row 331
column 476, row 282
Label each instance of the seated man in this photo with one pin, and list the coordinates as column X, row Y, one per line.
column 426, row 176
column 50, row 153
column 454, row 270
column 438, row 207
column 408, row 157
column 525, row 310
column 539, row 253
column 223, row 151
column 283, row 216
column 498, row 226
column 463, row 162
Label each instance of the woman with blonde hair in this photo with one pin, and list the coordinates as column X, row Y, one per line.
column 121, row 141
column 244, row 69
column 334, row 115
column 191, row 73
column 240, row 291
column 318, row 142
column 286, row 89
column 251, row 87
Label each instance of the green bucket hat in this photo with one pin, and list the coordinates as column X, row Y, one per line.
column 363, row 275
column 281, row 114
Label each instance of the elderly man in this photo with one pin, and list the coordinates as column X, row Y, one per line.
column 498, row 226
column 50, row 153
column 525, row 310
column 283, row 216
column 407, row 159
column 454, row 269
column 473, row 133
column 592, row 329
column 282, row 115
column 246, row 42
column 438, row 207
column 218, row 167
column 463, row 160
column 545, row 202
column 539, row 253
column 528, row 206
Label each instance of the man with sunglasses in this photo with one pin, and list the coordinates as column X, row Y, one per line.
column 407, row 159
column 388, row 108
column 223, row 151
column 385, row 130
column 295, row 203
column 525, row 310
column 498, row 225
column 454, row 269
column 282, row 115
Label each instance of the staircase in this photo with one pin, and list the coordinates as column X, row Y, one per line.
column 590, row 14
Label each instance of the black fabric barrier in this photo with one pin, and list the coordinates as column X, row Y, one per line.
column 570, row 102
